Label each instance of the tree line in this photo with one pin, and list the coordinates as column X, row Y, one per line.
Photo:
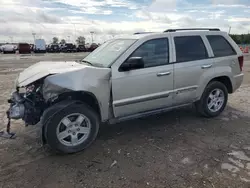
column 80, row 40
column 241, row 39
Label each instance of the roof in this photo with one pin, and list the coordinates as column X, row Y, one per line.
column 142, row 35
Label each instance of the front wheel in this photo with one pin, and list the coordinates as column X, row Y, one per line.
column 73, row 129
column 213, row 100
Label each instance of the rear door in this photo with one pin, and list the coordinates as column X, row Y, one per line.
column 192, row 65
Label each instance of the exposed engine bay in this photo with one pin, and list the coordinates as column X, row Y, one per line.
column 28, row 105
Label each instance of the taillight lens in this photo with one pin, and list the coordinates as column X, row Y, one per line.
column 241, row 62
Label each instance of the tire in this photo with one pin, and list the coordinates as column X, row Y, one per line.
column 65, row 145
column 202, row 106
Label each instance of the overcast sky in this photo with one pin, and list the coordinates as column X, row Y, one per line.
column 107, row 18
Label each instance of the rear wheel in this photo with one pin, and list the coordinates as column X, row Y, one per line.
column 213, row 100
column 72, row 129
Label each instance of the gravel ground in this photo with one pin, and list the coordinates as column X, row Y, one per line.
column 174, row 150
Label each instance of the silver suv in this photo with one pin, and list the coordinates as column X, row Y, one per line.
column 127, row 78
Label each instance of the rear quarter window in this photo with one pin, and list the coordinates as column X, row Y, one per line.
column 220, row 46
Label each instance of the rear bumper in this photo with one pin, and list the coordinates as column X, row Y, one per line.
column 238, row 81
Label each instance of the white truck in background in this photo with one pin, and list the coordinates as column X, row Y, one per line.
column 40, row 46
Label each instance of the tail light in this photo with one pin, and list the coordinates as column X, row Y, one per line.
column 241, row 62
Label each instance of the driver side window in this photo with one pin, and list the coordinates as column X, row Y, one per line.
column 153, row 52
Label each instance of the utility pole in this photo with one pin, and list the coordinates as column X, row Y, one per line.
column 92, row 33
column 11, row 39
column 75, row 31
column 229, row 30
column 34, row 36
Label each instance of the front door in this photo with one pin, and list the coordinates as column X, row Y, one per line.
column 148, row 88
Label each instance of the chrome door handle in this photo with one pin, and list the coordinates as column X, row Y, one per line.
column 163, row 73
column 206, row 66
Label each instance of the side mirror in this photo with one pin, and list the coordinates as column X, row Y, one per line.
column 132, row 63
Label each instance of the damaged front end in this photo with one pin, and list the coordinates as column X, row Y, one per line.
column 40, row 89
column 27, row 105
column 30, row 102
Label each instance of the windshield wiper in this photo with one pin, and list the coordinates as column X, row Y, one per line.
column 84, row 61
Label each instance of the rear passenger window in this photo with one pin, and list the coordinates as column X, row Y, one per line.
column 190, row 48
column 221, row 47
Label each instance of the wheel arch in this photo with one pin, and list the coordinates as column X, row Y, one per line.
column 65, row 100
column 83, row 96
column 224, row 80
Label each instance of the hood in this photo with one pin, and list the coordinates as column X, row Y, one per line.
column 45, row 68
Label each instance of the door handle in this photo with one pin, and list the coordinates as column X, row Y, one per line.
column 163, row 73
column 206, row 66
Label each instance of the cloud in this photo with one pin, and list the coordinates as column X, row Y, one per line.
column 95, row 3
column 162, row 5
column 239, row 19
column 91, row 10
column 108, row 18
column 225, row 2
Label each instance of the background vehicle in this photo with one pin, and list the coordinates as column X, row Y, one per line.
column 53, row 48
column 23, row 48
column 40, row 46
column 9, row 48
column 151, row 73
column 92, row 47
column 31, row 47
column 80, row 48
column 68, row 47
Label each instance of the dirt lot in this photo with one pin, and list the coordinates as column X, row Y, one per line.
column 175, row 150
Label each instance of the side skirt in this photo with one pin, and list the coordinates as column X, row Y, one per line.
column 145, row 114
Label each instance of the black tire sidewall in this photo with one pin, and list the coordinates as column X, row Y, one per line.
column 52, row 139
column 212, row 86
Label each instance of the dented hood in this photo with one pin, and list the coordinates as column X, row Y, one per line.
column 45, row 68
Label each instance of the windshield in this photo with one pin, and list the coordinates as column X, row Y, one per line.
column 108, row 52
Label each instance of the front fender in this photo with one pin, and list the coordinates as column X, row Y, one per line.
column 92, row 80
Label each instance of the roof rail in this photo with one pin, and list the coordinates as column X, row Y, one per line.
column 138, row 33
column 192, row 29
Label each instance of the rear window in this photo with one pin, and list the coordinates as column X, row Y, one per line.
column 190, row 48
column 220, row 46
